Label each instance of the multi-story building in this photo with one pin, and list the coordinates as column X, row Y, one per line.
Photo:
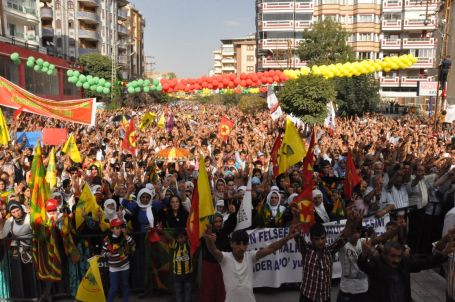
column 409, row 26
column 19, row 21
column 235, row 56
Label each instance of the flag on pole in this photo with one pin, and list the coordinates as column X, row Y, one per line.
column 91, row 288
column 192, row 224
column 273, row 104
column 308, row 161
column 71, row 149
column 351, row 178
column 86, row 203
column 147, row 120
column 244, row 215
column 129, row 141
column 51, row 172
column 274, row 155
column 329, row 121
column 305, row 205
column 225, row 128
column 161, row 121
column 292, row 149
column 39, row 188
column 18, row 112
column 170, row 122
column 4, row 132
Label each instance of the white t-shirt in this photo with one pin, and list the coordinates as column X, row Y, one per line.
column 238, row 277
column 353, row 280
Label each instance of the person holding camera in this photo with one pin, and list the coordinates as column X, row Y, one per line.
column 117, row 248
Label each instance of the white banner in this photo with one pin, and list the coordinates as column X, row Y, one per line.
column 273, row 104
column 285, row 265
column 245, row 212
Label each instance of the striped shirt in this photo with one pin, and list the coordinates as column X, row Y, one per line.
column 117, row 250
column 317, row 270
column 398, row 197
column 182, row 258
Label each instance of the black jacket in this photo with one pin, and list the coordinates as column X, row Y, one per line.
column 223, row 243
column 383, row 278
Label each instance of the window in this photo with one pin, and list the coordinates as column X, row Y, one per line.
column 58, row 24
column 250, row 68
column 361, row 55
column 250, row 47
column 41, row 83
column 70, row 24
column 70, row 5
column 278, row 17
column 250, row 58
column 59, row 42
column 364, row 37
column 365, row 18
column 303, row 16
column 9, row 70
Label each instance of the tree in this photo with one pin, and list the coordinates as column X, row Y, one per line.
column 325, row 43
column 307, row 98
column 357, row 95
column 100, row 66
column 252, row 104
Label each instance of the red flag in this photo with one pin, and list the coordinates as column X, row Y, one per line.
column 305, row 205
column 352, row 178
column 225, row 127
column 129, row 141
column 192, row 223
column 54, row 136
column 308, row 162
column 274, row 155
column 18, row 112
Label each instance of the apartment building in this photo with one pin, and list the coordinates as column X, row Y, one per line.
column 235, row 56
column 19, row 21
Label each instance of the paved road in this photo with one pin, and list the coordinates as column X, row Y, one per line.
column 426, row 286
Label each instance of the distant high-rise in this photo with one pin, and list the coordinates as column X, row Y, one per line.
column 237, row 55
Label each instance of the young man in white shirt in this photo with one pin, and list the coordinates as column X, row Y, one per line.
column 237, row 266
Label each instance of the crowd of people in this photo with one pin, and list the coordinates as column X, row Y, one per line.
column 405, row 164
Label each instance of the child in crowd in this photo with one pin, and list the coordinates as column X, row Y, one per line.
column 182, row 267
column 118, row 246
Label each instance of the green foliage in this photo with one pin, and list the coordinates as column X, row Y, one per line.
column 325, row 43
column 171, row 75
column 357, row 95
column 252, row 103
column 100, row 66
column 307, row 98
column 230, row 99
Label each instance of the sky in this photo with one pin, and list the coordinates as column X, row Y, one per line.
column 182, row 34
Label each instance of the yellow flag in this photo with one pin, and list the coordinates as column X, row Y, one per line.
column 206, row 208
column 147, row 120
column 161, row 121
column 87, row 203
column 71, row 149
column 91, row 288
column 292, row 149
column 51, row 172
column 124, row 121
column 4, row 132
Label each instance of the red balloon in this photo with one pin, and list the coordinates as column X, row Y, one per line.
column 254, row 78
column 220, row 85
column 210, row 86
column 249, row 82
column 243, row 83
column 236, row 81
column 276, row 78
column 272, row 73
column 266, row 74
column 232, row 77
column 270, row 80
column 231, row 84
column 170, row 90
column 225, row 82
column 165, row 86
column 243, row 76
column 215, row 83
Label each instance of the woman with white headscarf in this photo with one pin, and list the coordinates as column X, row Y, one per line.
column 272, row 214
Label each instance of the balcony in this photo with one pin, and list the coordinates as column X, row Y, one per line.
column 22, row 12
column 411, row 5
column 391, row 44
column 424, row 63
column 88, row 34
column 122, row 60
column 228, row 60
column 123, row 45
column 412, row 43
column 276, row 25
column 411, row 81
column 88, row 16
column 302, row 7
column 266, row 63
column 47, row 32
column 217, row 64
column 389, row 81
column 302, row 25
column 419, row 24
column 228, row 68
column 392, row 6
column 90, row 2
column 122, row 30
column 277, row 6
column 122, row 14
column 275, row 43
column 84, row 51
column 227, row 51
column 391, row 25
column 46, row 13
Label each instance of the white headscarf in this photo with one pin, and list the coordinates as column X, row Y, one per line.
column 291, row 198
column 109, row 213
column 148, row 207
column 278, row 207
column 95, row 188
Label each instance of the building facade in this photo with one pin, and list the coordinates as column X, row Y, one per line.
column 235, row 56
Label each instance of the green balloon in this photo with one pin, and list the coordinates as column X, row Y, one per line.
column 50, row 72
column 107, row 85
column 131, row 89
column 96, row 79
column 79, row 84
column 159, row 87
column 134, row 84
column 102, row 81
column 86, row 85
column 89, row 77
column 93, row 88
column 153, row 88
column 106, row 90
column 76, row 73
column 30, row 64
column 37, row 68
column 46, row 64
column 91, row 81
column 31, row 58
column 39, row 61
column 69, row 73
column 129, row 84
column 99, row 89
column 137, row 89
column 156, row 82
column 140, row 82
column 51, row 66
column 44, row 69
column 14, row 56
column 82, row 78
column 146, row 82
column 146, row 89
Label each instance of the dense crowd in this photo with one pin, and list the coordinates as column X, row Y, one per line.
column 405, row 164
